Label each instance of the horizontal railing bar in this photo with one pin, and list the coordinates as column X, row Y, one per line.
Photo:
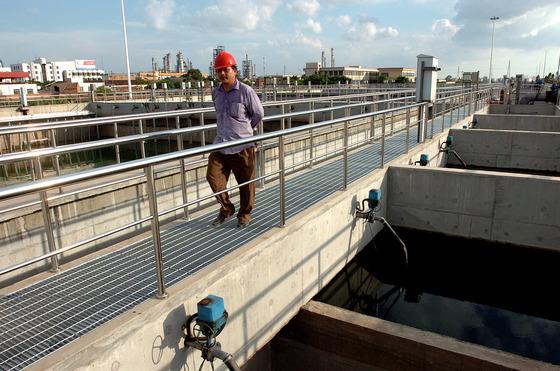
column 58, row 181
column 151, row 115
column 170, row 114
column 48, row 183
column 83, row 146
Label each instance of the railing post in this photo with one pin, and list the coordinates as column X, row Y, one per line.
column 311, row 121
column 182, row 164
column 283, row 121
column 407, row 129
column 156, row 237
column 383, row 122
column 261, row 163
column 345, row 157
column 332, row 110
column 117, row 147
column 434, row 115
column 443, row 109
column 142, row 142
column 451, row 113
column 47, row 220
column 56, row 158
column 392, row 118
column 282, row 181
column 372, row 128
column 203, row 135
column 426, row 119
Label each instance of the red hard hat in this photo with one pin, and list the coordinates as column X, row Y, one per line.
column 223, row 60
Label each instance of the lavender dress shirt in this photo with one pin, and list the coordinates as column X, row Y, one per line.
column 238, row 111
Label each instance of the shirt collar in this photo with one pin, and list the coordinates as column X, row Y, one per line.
column 234, row 87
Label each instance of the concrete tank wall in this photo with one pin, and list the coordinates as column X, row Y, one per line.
column 507, row 149
column 522, row 109
column 513, row 208
column 518, row 122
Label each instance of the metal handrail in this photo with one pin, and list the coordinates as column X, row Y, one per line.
column 148, row 165
column 171, row 114
column 51, row 151
column 28, row 128
column 44, row 184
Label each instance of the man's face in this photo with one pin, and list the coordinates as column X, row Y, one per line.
column 226, row 75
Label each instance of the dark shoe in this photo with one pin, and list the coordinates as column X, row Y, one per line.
column 243, row 223
column 220, row 219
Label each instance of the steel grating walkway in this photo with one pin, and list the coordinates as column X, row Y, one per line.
column 47, row 315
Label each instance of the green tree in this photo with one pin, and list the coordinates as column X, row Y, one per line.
column 382, row 78
column 401, row 80
column 103, row 90
column 194, row 74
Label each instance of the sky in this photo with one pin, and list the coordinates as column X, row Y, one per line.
column 289, row 33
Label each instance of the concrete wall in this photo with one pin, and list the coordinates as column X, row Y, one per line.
column 48, row 108
column 506, row 149
column 522, row 109
column 518, row 122
column 264, row 283
column 324, row 337
column 513, row 208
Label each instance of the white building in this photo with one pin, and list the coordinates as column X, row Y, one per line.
column 312, row 68
column 354, row 73
column 41, row 70
column 11, row 89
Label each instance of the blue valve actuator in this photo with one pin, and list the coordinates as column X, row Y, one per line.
column 374, row 196
column 449, row 139
column 210, row 309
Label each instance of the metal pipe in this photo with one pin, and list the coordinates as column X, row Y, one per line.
column 47, row 220
column 117, row 149
column 142, row 142
column 156, row 237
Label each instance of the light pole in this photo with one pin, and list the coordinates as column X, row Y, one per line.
column 493, row 19
column 126, row 51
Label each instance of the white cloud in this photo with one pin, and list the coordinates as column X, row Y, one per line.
column 236, row 15
column 368, row 30
column 313, row 25
column 521, row 23
column 313, row 42
column 343, row 20
column 159, row 13
column 307, row 7
column 444, row 28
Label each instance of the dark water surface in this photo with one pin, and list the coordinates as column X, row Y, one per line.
column 497, row 295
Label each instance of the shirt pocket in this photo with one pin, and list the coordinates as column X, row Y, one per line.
column 237, row 110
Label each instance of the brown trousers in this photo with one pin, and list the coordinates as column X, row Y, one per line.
column 220, row 167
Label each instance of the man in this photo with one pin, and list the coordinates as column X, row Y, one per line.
column 238, row 111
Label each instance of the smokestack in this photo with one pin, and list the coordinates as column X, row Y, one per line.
column 332, row 57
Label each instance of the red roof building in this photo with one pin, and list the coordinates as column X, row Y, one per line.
column 14, row 76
